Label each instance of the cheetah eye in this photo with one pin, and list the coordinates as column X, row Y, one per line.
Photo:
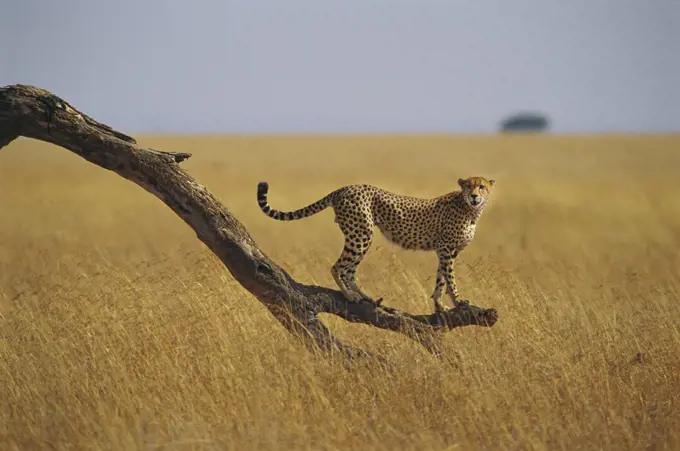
column 481, row 187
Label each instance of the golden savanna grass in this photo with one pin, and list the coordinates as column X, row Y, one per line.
column 119, row 330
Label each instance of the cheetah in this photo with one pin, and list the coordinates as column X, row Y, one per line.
column 444, row 224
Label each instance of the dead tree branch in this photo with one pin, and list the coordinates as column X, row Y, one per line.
column 35, row 113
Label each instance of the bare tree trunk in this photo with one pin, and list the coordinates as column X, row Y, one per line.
column 36, row 113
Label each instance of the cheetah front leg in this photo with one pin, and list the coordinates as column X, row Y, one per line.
column 438, row 286
column 445, row 276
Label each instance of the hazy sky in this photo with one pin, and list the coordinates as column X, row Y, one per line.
column 351, row 65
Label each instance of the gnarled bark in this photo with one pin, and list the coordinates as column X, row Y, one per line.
column 36, row 113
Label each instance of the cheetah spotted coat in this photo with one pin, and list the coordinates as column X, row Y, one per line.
column 445, row 224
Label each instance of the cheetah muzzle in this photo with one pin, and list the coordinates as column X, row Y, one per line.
column 444, row 224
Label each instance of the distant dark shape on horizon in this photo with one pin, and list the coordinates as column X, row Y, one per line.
column 525, row 123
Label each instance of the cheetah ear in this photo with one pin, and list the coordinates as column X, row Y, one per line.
column 461, row 182
column 491, row 182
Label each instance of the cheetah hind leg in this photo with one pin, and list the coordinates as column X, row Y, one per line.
column 350, row 295
column 344, row 270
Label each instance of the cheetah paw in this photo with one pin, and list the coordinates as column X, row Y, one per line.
column 461, row 303
column 355, row 297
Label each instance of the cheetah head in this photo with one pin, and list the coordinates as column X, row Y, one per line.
column 476, row 191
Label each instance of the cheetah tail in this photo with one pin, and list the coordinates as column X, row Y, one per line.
column 309, row 210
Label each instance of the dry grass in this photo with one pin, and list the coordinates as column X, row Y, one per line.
column 119, row 330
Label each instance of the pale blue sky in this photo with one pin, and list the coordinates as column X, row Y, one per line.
column 352, row 65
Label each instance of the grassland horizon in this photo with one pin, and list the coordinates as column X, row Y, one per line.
column 120, row 330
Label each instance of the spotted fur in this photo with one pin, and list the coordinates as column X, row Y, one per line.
column 445, row 225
